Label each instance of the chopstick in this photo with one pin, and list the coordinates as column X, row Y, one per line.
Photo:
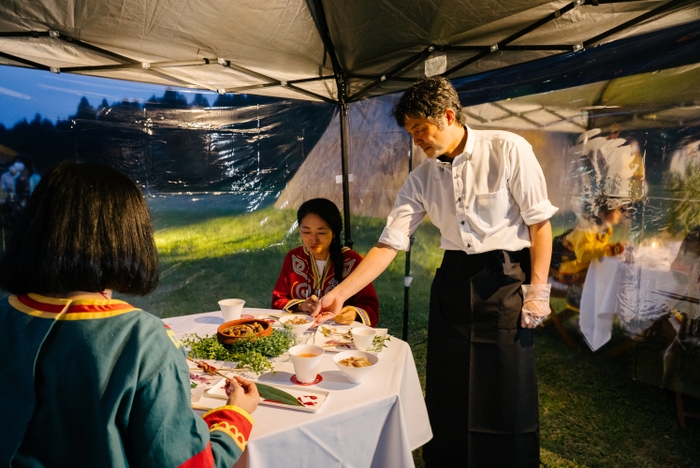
column 680, row 297
column 207, row 368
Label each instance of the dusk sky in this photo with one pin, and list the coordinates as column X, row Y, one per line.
column 26, row 92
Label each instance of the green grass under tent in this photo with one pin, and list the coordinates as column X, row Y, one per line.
column 592, row 412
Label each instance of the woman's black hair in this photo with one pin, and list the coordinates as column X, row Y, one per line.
column 327, row 211
column 86, row 228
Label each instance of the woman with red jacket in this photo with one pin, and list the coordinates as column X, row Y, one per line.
column 319, row 265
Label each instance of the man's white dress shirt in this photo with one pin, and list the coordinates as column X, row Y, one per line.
column 485, row 200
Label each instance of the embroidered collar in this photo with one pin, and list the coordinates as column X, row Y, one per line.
column 69, row 309
column 319, row 277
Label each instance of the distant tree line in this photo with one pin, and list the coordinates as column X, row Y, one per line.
column 241, row 143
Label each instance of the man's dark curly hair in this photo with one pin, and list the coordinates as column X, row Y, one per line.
column 429, row 98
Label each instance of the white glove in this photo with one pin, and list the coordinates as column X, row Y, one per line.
column 535, row 304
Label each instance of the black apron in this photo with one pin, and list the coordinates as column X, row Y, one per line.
column 481, row 387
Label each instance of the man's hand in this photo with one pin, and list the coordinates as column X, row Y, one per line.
column 535, row 304
column 242, row 393
column 327, row 308
column 376, row 261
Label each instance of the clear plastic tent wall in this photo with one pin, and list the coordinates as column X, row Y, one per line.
column 621, row 158
column 622, row 162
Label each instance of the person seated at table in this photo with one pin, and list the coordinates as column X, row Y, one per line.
column 319, row 265
column 88, row 380
column 590, row 240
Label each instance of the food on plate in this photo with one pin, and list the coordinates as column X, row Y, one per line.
column 197, row 379
column 353, row 361
column 297, row 321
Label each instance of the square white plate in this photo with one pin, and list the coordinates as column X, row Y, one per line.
column 339, row 338
column 311, row 398
column 200, row 377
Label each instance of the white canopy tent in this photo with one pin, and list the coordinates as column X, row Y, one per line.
column 327, row 50
column 324, row 50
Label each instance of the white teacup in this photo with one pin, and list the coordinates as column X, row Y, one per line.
column 231, row 309
column 306, row 359
column 363, row 337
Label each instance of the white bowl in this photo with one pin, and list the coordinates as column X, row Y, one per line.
column 298, row 329
column 355, row 374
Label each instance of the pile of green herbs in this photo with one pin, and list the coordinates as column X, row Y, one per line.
column 252, row 353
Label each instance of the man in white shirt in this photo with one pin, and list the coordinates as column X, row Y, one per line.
column 486, row 193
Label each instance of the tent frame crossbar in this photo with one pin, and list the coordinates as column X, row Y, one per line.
column 29, row 63
column 155, row 68
column 503, row 45
column 401, row 67
column 633, row 21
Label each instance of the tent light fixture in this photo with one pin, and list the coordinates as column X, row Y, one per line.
column 55, row 70
column 431, row 48
column 54, row 34
column 578, row 3
column 493, row 48
column 222, row 61
column 221, row 91
column 557, row 14
column 146, row 65
column 283, row 83
column 578, row 47
column 382, row 78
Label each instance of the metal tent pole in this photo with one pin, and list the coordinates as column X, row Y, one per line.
column 407, row 279
column 343, row 107
column 319, row 16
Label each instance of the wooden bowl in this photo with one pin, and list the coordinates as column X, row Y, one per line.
column 226, row 338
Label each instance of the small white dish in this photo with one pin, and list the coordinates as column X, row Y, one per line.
column 300, row 328
column 355, row 374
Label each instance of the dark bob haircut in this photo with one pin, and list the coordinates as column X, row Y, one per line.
column 86, row 228
column 429, row 98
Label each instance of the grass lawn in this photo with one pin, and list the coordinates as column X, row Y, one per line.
column 592, row 412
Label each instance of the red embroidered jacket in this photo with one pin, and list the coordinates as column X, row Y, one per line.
column 300, row 279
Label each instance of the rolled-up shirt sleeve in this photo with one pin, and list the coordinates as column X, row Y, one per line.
column 538, row 213
column 405, row 216
column 528, row 186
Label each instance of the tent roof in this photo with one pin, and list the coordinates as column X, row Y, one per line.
column 306, row 49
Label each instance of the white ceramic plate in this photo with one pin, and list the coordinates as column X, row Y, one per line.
column 311, row 398
column 200, row 377
column 336, row 338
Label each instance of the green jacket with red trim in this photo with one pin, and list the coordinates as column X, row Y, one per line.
column 87, row 382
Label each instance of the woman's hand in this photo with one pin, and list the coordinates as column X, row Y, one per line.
column 346, row 316
column 242, row 393
column 309, row 305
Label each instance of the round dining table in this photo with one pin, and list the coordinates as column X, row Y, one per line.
column 375, row 423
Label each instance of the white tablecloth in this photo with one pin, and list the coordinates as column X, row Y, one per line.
column 637, row 292
column 376, row 423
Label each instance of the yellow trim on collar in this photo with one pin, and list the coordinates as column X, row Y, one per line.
column 70, row 309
